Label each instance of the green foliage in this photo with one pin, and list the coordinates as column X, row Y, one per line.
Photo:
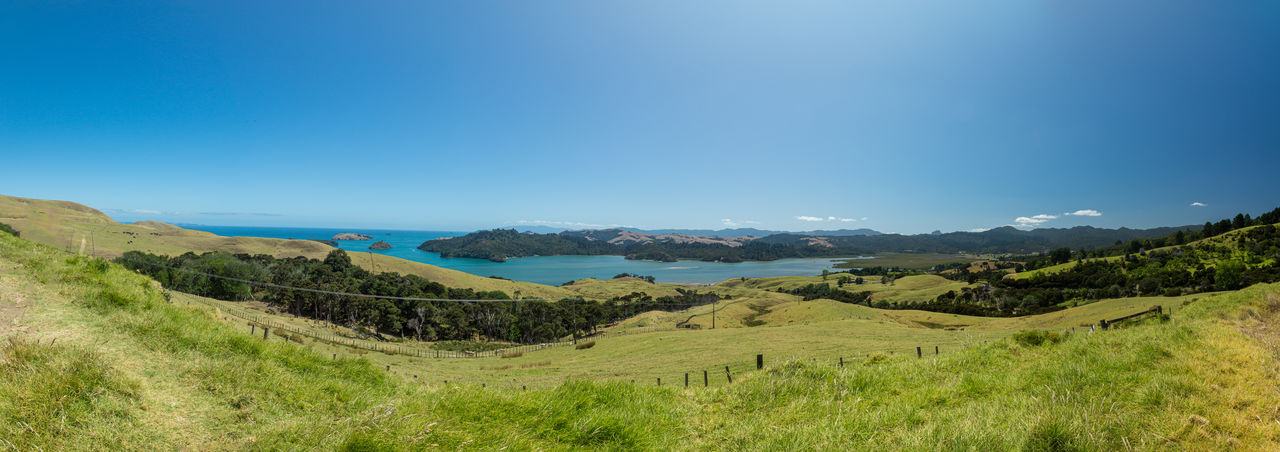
column 1036, row 337
column 585, row 345
column 1196, row 384
column 468, row 346
column 502, row 244
column 423, row 310
column 824, row 290
column 1251, row 258
column 9, row 230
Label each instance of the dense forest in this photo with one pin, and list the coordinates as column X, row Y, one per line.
column 1169, row 266
column 502, row 244
column 1175, row 264
column 495, row 317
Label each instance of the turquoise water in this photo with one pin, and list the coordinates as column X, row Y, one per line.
column 553, row 270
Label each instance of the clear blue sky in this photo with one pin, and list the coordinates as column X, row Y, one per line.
column 469, row 114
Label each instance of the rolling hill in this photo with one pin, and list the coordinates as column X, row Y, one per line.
column 97, row 355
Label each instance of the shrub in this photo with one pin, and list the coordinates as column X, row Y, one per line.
column 1036, row 337
column 10, row 230
column 513, row 354
column 585, row 345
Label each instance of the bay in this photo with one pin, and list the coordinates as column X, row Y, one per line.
column 552, row 270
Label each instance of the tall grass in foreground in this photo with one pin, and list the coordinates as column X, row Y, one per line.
column 1195, row 382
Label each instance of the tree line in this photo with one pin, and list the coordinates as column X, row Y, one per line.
column 499, row 318
column 1247, row 259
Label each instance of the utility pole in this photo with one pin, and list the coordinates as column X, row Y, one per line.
column 713, row 315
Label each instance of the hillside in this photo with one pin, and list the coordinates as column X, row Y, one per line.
column 96, row 356
column 70, row 226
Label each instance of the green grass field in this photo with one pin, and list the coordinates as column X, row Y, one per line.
column 96, row 358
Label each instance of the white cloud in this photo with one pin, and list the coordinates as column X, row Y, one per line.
column 569, row 224
column 1199, row 204
column 1034, row 220
column 829, row 218
column 863, row 219
column 1085, row 213
column 730, row 223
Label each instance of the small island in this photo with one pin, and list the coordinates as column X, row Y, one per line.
column 380, row 245
column 352, row 236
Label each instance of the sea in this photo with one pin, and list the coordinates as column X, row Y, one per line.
column 552, row 270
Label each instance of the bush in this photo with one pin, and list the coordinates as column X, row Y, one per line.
column 1036, row 337
column 468, row 346
column 1172, row 292
column 10, row 230
column 585, row 345
column 513, row 355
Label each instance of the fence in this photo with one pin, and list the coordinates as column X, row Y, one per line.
column 1104, row 323
column 396, row 349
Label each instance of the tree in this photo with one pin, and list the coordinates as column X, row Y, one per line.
column 1229, row 275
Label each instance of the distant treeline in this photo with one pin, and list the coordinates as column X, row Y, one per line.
column 1120, row 248
column 502, row 244
column 1250, row 257
column 523, row 321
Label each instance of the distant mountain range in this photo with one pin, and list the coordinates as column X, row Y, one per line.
column 734, row 232
column 664, row 245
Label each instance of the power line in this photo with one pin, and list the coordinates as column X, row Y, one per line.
column 382, row 297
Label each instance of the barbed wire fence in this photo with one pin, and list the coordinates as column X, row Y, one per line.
column 715, row 375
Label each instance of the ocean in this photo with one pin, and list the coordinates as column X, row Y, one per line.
column 552, row 270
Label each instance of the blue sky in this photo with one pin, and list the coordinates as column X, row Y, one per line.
column 897, row 116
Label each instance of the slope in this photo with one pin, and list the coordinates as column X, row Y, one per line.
column 130, row 371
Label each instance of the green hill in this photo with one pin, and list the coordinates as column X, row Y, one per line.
column 76, row 227
column 97, row 358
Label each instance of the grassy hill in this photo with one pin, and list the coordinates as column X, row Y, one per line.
column 76, row 227
column 97, row 358
column 1227, row 239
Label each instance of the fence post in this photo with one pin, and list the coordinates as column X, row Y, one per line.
column 253, row 329
column 335, row 356
column 918, row 353
column 841, row 361
column 659, row 381
column 728, row 375
column 759, row 361
column 705, row 382
column 686, row 379
column 935, row 349
column 266, row 330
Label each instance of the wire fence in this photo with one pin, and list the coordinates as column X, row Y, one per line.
column 402, row 349
column 715, row 375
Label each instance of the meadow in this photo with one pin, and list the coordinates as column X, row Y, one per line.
column 97, row 358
